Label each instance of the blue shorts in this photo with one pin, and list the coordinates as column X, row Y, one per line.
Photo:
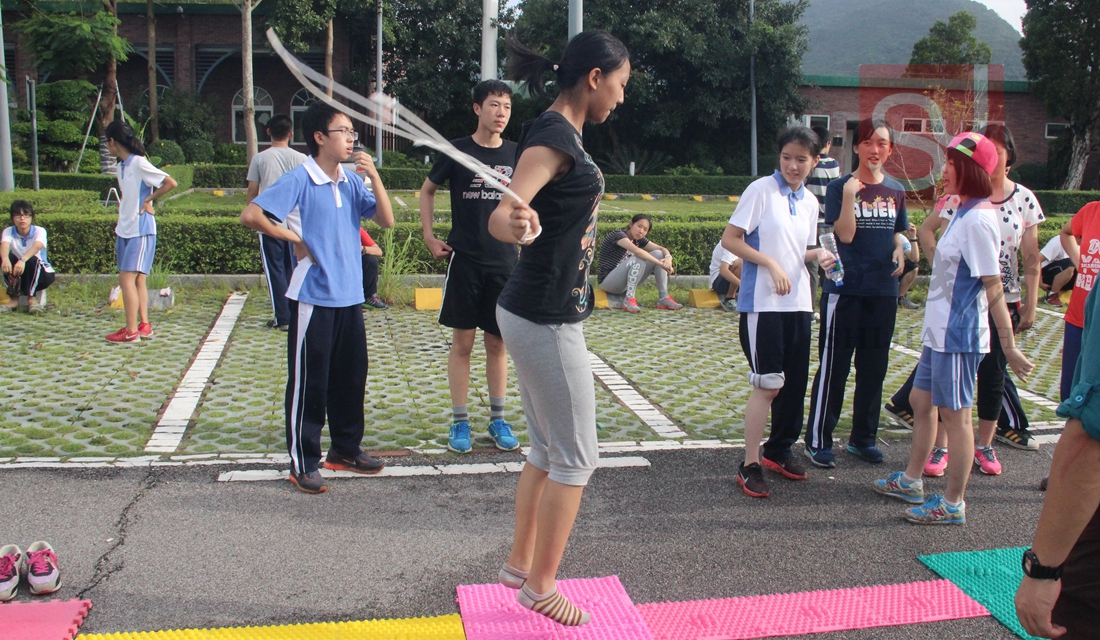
column 951, row 377
column 136, row 254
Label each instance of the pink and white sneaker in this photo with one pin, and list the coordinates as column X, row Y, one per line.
column 43, row 575
column 11, row 569
column 987, row 462
column 936, row 464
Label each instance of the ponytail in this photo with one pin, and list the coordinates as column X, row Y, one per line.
column 124, row 135
column 588, row 50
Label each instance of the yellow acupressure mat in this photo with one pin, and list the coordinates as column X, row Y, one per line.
column 439, row 628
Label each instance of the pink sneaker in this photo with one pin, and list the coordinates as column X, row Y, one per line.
column 124, row 337
column 43, row 576
column 145, row 330
column 936, row 464
column 11, row 570
column 987, row 462
column 669, row 303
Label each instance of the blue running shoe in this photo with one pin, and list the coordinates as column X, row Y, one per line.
column 895, row 487
column 459, row 439
column 935, row 510
column 870, row 454
column 501, row 433
column 821, row 457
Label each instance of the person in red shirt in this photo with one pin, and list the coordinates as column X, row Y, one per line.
column 372, row 254
column 1081, row 240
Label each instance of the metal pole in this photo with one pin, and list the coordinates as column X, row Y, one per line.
column 576, row 17
column 752, row 83
column 32, row 106
column 378, row 83
column 7, row 176
column 84, row 145
column 489, row 13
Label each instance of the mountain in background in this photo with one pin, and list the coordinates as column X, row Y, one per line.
column 847, row 33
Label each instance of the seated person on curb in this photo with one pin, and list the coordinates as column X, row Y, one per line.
column 23, row 258
column 627, row 258
column 909, row 274
column 725, row 276
column 1057, row 272
column 772, row 229
column 372, row 254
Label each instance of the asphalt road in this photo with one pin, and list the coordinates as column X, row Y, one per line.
column 171, row 547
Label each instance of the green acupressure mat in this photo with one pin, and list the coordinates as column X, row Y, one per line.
column 990, row 577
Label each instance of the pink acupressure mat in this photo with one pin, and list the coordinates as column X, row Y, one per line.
column 809, row 612
column 38, row 620
column 490, row 612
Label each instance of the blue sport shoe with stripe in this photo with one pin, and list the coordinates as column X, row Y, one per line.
column 935, row 510
column 895, row 487
column 459, row 438
column 501, row 433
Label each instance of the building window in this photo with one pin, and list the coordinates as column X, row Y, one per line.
column 264, row 109
column 913, row 125
column 1055, row 129
column 815, row 121
column 298, row 105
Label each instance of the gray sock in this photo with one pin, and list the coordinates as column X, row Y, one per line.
column 496, row 408
column 460, row 414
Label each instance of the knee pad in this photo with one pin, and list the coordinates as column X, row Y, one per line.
column 767, row 380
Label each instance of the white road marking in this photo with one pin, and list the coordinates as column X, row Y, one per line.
column 627, row 394
column 173, row 422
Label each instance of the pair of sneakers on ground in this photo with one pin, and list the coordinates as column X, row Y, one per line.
column 122, row 336
column 631, row 305
column 38, row 566
column 459, row 439
column 931, row 510
column 313, row 482
column 750, row 477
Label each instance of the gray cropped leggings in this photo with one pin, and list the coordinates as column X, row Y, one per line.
column 558, row 394
column 632, row 271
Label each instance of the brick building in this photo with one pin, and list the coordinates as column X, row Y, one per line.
column 838, row 103
column 198, row 47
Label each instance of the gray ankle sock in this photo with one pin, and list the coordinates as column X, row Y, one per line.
column 460, row 414
column 496, row 408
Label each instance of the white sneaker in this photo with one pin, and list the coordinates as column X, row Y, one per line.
column 43, row 576
column 11, row 570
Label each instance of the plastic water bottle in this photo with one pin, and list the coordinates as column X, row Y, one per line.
column 836, row 272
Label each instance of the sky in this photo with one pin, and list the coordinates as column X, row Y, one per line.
column 1010, row 10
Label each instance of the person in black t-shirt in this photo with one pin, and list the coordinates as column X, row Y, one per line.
column 542, row 306
column 620, row 273
column 479, row 264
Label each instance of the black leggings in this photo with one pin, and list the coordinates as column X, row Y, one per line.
column 34, row 277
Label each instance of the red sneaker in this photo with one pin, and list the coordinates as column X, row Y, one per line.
column 145, row 330
column 123, row 336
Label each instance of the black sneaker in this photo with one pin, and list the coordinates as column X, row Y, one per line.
column 274, row 324
column 788, row 468
column 1019, row 438
column 376, row 303
column 906, row 303
column 751, row 479
column 359, row 463
column 901, row 415
column 311, row 482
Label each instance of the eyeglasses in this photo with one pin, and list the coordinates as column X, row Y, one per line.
column 22, row 214
column 348, row 133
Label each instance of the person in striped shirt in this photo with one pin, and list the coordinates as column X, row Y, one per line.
column 825, row 171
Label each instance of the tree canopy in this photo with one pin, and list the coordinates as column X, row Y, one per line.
column 72, row 44
column 689, row 93
column 952, row 43
column 1063, row 64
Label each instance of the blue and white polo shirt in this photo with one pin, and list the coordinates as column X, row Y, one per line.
column 137, row 178
column 326, row 215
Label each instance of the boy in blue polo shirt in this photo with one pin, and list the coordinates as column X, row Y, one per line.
column 322, row 205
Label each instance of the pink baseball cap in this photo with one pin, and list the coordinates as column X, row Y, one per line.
column 978, row 148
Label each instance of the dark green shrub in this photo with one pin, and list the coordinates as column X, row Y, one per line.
column 64, row 131
column 687, row 185
column 52, row 201
column 214, row 176
column 184, row 175
column 1055, row 202
column 1032, row 175
column 96, row 182
column 181, row 115
column 198, row 151
column 229, row 153
column 403, row 178
column 398, row 160
column 169, row 152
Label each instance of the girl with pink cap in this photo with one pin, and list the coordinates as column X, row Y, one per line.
column 956, row 334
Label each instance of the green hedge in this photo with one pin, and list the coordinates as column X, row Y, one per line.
column 1065, row 201
column 67, row 181
column 184, row 174
column 686, row 185
column 215, row 176
column 52, row 200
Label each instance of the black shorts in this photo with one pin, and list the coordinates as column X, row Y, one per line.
column 470, row 296
column 910, row 266
column 1055, row 267
column 721, row 286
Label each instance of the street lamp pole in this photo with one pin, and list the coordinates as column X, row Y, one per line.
column 378, row 82
column 752, row 83
column 576, row 17
column 7, row 177
column 490, row 11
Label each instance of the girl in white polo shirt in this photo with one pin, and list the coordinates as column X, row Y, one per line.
column 964, row 288
column 140, row 184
